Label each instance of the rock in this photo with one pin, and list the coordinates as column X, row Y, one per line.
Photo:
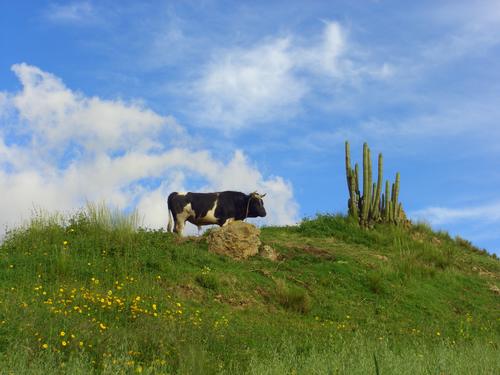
column 268, row 252
column 381, row 257
column 239, row 240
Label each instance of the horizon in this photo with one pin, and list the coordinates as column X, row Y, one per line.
column 126, row 103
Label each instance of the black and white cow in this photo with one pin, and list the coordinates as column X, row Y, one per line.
column 212, row 208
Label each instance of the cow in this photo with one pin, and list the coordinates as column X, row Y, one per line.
column 212, row 208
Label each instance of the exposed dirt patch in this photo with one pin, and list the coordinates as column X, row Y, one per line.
column 237, row 303
column 263, row 293
column 263, row 272
column 196, row 239
column 436, row 241
column 311, row 250
column 187, row 291
column 418, row 237
column 495, row 289
column 381, row 257
column 485, row 273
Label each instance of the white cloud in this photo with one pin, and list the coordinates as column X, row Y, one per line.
column 325, row 57
column 53, row 114
column 250, row 85
column 489, row 212
column 241, row 87
column 74, row 12
column 59, row 148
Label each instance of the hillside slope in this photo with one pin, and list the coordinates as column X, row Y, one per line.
column 77, row 296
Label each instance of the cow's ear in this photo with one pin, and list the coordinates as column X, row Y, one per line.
column 263, row 195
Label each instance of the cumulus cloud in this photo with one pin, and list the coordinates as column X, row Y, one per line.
column 244, row 86
column 255, row 84
column 59, row 148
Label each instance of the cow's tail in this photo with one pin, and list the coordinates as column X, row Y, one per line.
column 170, row 215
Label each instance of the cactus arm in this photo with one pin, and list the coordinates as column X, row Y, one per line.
column 376, row 205
column 352, row 205
column 386, row 213
column 366, row 185
column 396, row 197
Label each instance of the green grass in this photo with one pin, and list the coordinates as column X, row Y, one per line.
column 94, row 293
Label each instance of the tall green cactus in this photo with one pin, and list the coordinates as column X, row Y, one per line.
column 351, row 182
column 356, row 181
column 395, row 203
column 376, row 205
column 367, row 185
column 386, row 204
column 370, row 208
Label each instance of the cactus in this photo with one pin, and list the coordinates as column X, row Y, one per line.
column 370, row 207
column 396, row 212
column 367, row 185
column 395, row 202
column 376, row 205
column 356, row 180
column 386, row 212
column 351, row 183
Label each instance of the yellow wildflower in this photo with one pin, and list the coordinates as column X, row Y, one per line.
column 45, row 346
column 62, row 333
column 64, row 343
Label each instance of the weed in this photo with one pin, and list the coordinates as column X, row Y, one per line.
column 207, row 281
column 375, row 282
column 292, row 298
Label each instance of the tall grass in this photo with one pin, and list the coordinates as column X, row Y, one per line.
column 41, row 220
column 355, row 355
column 99, row 215
column 93, row 217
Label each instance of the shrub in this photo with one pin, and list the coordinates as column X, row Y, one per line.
column 292, row 298
column 375, row 282
column 207, row 281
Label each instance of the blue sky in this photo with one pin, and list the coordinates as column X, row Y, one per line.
column 127, row 101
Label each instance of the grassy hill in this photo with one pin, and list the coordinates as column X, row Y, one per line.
column 91, row 295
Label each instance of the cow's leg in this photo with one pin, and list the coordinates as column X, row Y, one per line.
column 179, row 224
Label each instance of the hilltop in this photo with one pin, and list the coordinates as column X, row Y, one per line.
column 85, row 295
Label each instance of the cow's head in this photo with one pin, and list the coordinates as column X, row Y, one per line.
column 256, row 205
